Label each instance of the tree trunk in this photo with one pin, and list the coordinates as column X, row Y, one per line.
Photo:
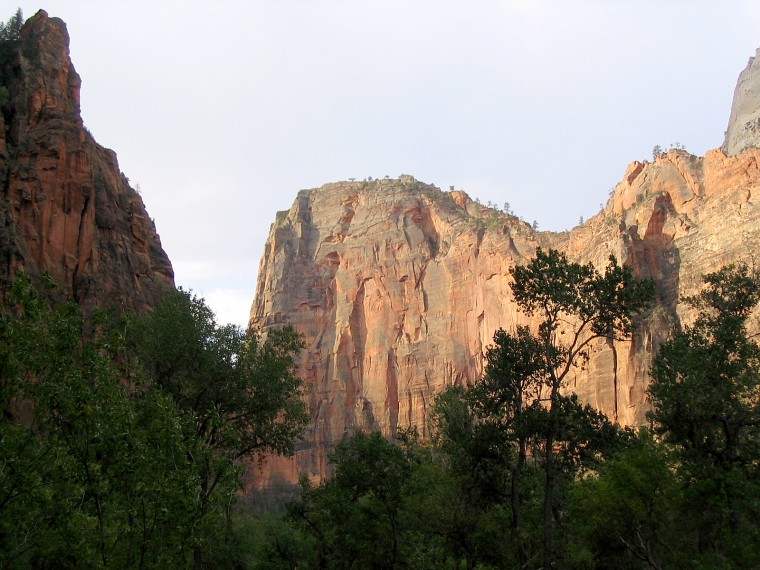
column 549, row 482
column 517, row 502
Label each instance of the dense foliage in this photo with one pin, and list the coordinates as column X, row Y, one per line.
column 11, row 30
column 120, row 447
column 121, row 438
column 688, row 495
column 685, row 494
column 493, row 486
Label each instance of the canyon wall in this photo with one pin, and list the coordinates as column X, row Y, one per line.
column 398, row 287
column 65, row 207
column 743, row 129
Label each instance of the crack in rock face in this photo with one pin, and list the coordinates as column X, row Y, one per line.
column 406, row 302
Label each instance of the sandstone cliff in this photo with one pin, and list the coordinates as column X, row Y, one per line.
column 398, row 287
column 65, row 207
column 743, row 129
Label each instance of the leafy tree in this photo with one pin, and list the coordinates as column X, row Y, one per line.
column 388, row 505
column 113, row 455
column 493, row 437
column 575, row 305
column 514, row 379
column 277, row 543
column 705, row 394
column 705, row 380
column 476, row 457
column 94, row 474
column 515, row 420
column 355, row 515
column 629, row 514
column 477, row 453
column 240, row 390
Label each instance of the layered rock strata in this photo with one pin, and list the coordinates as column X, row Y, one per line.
column 65, row 207
column 398, row 287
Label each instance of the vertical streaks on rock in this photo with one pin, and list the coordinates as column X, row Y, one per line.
column 402, row 286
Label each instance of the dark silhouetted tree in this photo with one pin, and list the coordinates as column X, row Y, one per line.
column 11, row 30
column 574, row 305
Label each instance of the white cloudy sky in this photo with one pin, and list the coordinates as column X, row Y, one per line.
column 221, row 111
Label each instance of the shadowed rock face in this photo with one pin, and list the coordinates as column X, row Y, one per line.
column 65, row 207
column 398, row 287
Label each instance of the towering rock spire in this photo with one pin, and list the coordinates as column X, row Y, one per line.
column 65, row 207
column 744, row 123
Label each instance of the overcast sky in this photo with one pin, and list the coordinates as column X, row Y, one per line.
column 221, row 111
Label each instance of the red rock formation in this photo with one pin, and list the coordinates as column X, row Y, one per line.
column 66, row 208
column 398, row 287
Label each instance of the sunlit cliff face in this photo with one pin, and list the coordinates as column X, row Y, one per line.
column 743, row 130
column 398, row 287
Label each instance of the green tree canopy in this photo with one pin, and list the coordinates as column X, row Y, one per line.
column 705, row 395
column 355, row 515
column 574, row 305
column 11, row 30
column 239, row 390
column 94, row 473
column 121, row 438
column 628, row 515
column 705, row 392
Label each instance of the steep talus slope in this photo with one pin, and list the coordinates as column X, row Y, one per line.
column 398, row 287
column 65, row 207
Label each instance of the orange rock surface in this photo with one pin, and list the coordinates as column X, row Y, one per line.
column 398, row 287
column 66, row 208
